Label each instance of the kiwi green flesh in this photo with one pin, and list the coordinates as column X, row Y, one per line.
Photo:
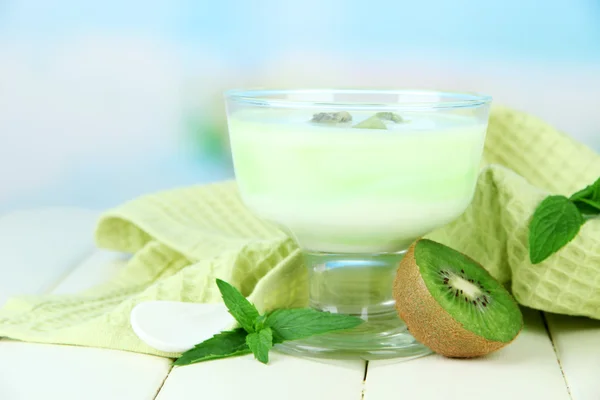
column 468, row 292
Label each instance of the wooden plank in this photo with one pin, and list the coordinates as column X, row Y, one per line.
column 526, row 369
column 36, row 371
column 47, row 246
column 577, row 343
column 285, row 377
column 39, row 247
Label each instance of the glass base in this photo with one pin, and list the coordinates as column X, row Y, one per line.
column 359, row 285
column 372, row 342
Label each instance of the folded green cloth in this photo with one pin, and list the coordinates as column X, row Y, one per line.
column 182, row 239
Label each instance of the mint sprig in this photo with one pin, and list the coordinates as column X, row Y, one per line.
column 260, row 343
column 558, row 219
column 587, row 199
column 259, row 333
column 242, row 310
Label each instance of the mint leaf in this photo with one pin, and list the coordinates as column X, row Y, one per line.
column 242, row 310
column 299, row 323
column 587, row 199
column 587, row 206
column 260, row 323
column 260, row 343
column 589, row 192
column 555, row 222
column 224, row 344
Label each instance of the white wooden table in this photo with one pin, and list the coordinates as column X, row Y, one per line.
column 555, row 357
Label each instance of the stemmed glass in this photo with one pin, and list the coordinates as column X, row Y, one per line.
column 355, row 176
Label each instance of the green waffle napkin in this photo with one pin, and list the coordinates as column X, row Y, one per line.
column 182, row 239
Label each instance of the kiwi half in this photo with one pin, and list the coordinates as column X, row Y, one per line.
column 451, row 304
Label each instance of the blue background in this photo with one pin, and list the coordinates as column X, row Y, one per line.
column 104, row 101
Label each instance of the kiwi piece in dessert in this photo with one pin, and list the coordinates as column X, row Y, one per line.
column 332, row 117
column 451, row 304
column 389, row 116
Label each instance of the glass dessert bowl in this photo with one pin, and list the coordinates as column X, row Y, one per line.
column 354, row 177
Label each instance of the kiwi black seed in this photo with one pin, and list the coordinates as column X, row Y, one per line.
column 451, row 304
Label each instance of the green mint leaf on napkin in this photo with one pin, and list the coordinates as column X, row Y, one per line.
column 589, row 192
column 587, row 206
column 260, row 343
column 224, row 344
column 293, row 324
column 587, row 199
column 242, row 310
column 555, row 222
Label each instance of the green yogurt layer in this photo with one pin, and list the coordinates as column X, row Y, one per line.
column 337, row 188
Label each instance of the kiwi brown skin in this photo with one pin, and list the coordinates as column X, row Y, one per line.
column 428, row 322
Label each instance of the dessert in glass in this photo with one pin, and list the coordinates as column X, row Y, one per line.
column 354, row 177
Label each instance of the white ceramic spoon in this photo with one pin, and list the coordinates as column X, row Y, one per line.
column 175, row 327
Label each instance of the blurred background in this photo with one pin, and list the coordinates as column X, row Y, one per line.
column 101, row 101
